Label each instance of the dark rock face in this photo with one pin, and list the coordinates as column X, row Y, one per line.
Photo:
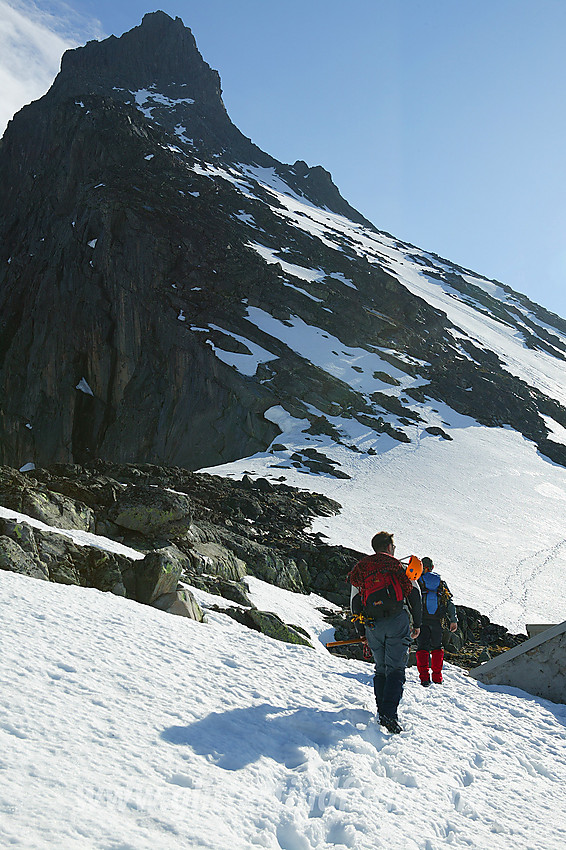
column 129, row 205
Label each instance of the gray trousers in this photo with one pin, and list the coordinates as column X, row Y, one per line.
column 389, row 640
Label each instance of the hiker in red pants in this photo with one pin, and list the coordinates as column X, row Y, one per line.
column 437, row 606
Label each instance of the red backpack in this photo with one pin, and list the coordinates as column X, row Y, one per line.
column 380, row 590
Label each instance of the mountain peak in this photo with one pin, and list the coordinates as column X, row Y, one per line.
column 204, row 298
column 160, row 51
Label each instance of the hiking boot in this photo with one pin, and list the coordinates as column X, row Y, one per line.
column 426, row 684
column 391, row 724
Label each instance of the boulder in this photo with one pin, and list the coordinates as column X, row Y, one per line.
column 180, row 602
column 14, row 559
column 158, row 573
column 152, row 511
column 273, row 626
column 107, row 571
column 214, row 559
column 235, row 591
column 265, row 622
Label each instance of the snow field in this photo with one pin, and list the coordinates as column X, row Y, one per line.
column 124, row 728
column 486, row 507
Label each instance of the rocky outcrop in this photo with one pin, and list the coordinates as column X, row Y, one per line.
column 220, row 546
column 152, row 512
column 16, row 560
column 266, row 622
column 50, row 507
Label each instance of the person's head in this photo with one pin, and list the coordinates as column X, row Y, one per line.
column 383, row 542
column 427, row 564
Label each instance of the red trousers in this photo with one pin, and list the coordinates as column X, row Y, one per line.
column 435, row 659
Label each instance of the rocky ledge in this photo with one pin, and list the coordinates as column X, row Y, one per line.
column 199, row 530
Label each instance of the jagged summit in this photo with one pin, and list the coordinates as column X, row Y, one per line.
column 161, row 51
column 157, row 62
column 157, row 66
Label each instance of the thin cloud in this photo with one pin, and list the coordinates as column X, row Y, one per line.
column 32, row 41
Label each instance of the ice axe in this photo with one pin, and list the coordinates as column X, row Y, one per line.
column 366, row 649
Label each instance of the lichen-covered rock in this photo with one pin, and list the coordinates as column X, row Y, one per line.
column 59, row 555
column 21, row 533
column 14, row 559
column 57, row 558
column 180, row 602
column 152, row 511
column 28, row 497
column 214, row 559
column 265, row 622
column 158, row 573
column 264, row 562
column 273, row 626
column 106, row 572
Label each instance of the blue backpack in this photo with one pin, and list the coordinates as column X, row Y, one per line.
column 430, row 585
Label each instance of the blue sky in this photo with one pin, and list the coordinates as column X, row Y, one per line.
column 442, row 121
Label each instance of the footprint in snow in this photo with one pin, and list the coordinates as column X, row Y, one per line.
column 397, row 775
column 7, row 727
column 467, row 778
column 182, row 780
column 66, row 667
column 289, row 837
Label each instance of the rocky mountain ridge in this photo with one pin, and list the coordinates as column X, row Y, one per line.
column 170, row 293
column 194, row 530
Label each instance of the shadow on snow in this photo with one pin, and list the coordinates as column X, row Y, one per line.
column 239, row 737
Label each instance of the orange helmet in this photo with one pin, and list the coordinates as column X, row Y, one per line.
column 414, row 568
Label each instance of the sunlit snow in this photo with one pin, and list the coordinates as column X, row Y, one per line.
column 125, row 727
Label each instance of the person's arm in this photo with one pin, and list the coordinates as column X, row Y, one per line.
column 452, row 616
column 415, row 607
column 451, row 611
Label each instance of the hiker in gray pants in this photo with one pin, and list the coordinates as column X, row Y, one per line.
column 389, row 640
column 380, row 590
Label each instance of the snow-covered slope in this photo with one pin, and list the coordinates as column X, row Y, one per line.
column 486, row 507
column 485, row 503
column 124, row 727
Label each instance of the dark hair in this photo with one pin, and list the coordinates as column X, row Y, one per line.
column 381, row 541
column 427, row 563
